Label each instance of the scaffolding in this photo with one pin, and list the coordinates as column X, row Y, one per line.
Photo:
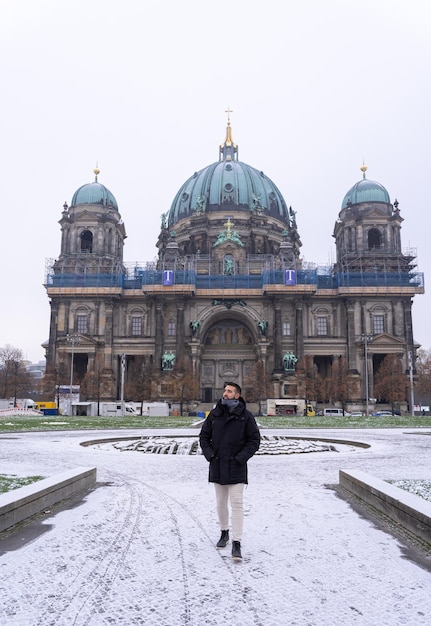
column 255, row 272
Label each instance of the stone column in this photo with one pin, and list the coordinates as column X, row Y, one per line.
column 299, row 331
column 351, row 334
column 408, row 327
column 68, row 322
column 51, row 351
column 108, row 336
column 159, row 335
column 180, row 334
column 277, row 336
column 96, row 318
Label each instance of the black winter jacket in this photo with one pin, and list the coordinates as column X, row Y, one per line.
column 228, row 440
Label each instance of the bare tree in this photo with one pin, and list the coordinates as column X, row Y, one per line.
column 15, row 381
column 51, row 382
column 182, row 384
column 258, row 386
column 340, row 384
column 323, row 388
column 391, row 383
column 423, row 371
column 96, row 384
column 143, row 383
column 308, row 378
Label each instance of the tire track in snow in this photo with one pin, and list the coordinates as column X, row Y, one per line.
column 91, row 584
column 254, row 603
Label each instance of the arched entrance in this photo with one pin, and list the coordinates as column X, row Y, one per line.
column 228, row 353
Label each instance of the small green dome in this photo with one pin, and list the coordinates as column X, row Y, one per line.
column 365, row 191
column 94, row 193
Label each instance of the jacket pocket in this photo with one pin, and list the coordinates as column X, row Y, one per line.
column 214, row 469
column 236, row 470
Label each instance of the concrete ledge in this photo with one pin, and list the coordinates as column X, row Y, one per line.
column 22, row 503
column 406, row 509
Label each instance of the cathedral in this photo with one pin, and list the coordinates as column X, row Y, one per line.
column 230, row 288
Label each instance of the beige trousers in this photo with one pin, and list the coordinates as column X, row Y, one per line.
column 233, row 494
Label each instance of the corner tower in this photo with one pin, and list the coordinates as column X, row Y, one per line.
column 368, row 231
column 83, row 285
column 92, row 232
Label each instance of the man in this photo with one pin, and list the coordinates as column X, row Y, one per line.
column 229, row 438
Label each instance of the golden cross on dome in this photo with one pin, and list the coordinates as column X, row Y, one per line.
column 228, row 111
column 228, row 225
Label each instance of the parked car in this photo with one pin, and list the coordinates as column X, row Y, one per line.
column 332, row 411
column 380, row 413
column 356, row 414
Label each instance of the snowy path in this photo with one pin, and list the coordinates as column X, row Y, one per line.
column 140, row 548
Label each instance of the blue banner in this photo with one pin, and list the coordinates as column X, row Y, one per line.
column 290, row 277
column 168, row 277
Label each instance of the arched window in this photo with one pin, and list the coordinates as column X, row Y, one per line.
column 82, row 324
column 322, row 321
column 137, row 321
column 374, row 239
column 322, row 326
column 378, row 324
column 136, row 325
column 86, row 241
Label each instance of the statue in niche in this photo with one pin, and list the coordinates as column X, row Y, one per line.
column 194, row 325
column 289, row 361
column 263, row 327
column 168, row 361
column 229, row 267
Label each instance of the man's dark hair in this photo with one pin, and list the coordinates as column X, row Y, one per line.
column 237, row 387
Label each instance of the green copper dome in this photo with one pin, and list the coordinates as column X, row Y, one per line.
column 94, row 193
column 228, row 184
column 365, row 191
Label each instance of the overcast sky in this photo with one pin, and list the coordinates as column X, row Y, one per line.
column 141, row 88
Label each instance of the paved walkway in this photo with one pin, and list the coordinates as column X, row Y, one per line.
column 140, row 549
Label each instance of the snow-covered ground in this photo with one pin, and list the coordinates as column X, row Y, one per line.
column 139, row 549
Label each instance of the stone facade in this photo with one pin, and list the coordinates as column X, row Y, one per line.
column 230, row 287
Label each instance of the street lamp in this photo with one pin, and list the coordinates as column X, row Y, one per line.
column 123, row 369
column 412, row 393
column 366, row 338
column 73, row 340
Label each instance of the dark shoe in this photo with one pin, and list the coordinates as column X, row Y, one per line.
column 236, row 550
column 224, row 538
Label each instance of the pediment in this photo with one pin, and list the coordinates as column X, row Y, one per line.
column 87, row 215
column 84, row 343
column 374, row 212
column 386, row 343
